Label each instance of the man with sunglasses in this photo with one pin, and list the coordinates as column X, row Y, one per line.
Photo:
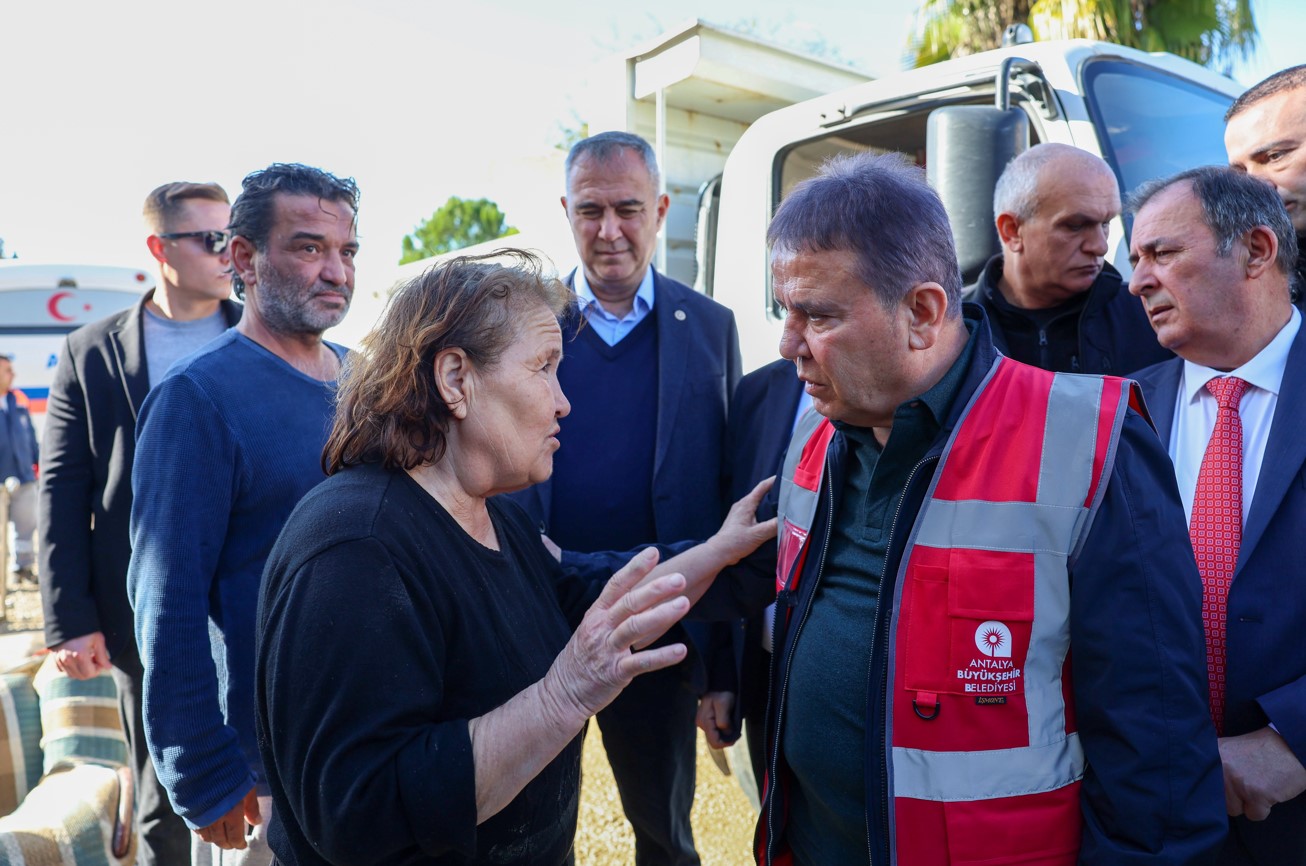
column 105, row 369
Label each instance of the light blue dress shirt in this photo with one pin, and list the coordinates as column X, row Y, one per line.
column 609, row 328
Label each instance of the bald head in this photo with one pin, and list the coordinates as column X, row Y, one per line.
column 1024, row 182
column 1053, row 208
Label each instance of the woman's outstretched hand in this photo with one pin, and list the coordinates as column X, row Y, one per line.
column 599, row 660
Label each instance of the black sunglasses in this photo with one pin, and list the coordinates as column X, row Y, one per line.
column 214, row 240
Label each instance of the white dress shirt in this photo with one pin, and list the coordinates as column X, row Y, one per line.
column 610, row 328
column 1196, row 409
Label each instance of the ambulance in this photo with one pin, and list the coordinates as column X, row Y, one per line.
column 41, row 304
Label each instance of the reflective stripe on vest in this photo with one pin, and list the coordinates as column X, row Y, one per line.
column 985, row 760
column 800, row 486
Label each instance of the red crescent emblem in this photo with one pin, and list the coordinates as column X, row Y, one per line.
column 53, row 306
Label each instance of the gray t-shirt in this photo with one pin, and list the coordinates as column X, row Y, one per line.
column 168, row 341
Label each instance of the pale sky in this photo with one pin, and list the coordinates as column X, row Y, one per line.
column 417, row 100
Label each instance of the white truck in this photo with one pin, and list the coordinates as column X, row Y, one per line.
column 41, row 304
column 1147, row 115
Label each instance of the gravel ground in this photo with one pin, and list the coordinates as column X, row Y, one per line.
column 723, row 818
column 22, row 609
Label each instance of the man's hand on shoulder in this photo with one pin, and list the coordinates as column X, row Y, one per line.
column 1259, row 771
column 82, row 657
column 229, row 830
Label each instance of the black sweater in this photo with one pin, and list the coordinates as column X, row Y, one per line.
column 383, row 628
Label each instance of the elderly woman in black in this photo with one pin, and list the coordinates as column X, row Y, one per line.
column 425, row 666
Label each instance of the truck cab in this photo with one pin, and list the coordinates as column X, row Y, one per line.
column 1147, row 115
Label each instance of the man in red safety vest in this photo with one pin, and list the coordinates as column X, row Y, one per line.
column 987, row 642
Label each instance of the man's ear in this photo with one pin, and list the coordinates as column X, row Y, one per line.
column 242, row 260
column 1008, row 225
column 155, row 245
column 664, row 202
column 563, row 200
column 454, row 381
column 1262, row 249
column 926, row 309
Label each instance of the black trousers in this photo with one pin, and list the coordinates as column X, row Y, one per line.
column 650, row 737
column 164, row 838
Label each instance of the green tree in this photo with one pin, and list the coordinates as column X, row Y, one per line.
column 1211, row 32
column 457, row 223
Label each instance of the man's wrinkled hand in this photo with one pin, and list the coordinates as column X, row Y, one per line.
column 82, row 657
column 229, row 830
column 714, row 711
column 1259, row 771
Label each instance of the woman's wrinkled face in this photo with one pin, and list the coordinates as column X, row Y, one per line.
column 512, row 419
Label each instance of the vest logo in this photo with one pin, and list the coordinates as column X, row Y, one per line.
column 994, row 639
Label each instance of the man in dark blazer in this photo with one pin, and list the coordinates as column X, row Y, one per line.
column 650, row 365
column 105, row 370
column 1214, row 249
column 763, row 411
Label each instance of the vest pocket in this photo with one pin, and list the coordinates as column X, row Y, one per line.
column 990, row 614
column 1033, row 830
column 967, row 617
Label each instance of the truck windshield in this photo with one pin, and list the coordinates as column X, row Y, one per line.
column 1151, row 124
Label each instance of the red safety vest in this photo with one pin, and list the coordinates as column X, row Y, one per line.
column 984, row 757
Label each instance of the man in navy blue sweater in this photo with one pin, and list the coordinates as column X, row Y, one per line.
column 649, row 377
column 226, row 447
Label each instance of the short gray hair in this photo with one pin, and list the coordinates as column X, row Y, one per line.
column 606, row 146
column 880, row 208
column 1233, row 203
column 1017, row 190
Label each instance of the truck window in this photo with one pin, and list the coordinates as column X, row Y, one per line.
column 709, row 209
column 904, row 132
column 1152, row 124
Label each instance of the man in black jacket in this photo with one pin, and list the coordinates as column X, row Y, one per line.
column 1051, row 298
column 105, row 370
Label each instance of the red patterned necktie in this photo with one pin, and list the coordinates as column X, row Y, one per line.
column 1216, row 527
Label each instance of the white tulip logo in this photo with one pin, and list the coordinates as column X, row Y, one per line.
column 994, row 639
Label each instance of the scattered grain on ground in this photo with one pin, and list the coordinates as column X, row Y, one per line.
column 723, row 819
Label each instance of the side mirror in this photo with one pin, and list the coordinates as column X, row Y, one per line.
column 966, row 149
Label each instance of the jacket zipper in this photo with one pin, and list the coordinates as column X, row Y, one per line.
column 880, row 617
column 789, row 663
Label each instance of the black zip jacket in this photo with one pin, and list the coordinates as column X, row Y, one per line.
column 1109, row 334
